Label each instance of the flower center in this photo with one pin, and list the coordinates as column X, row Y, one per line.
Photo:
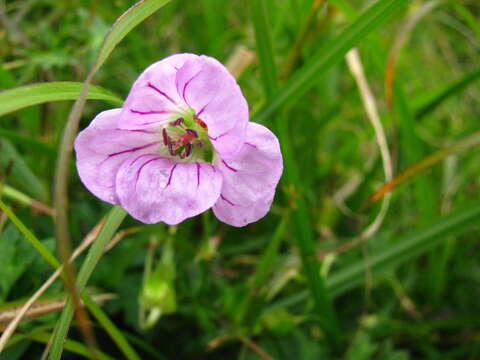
column 186, row 139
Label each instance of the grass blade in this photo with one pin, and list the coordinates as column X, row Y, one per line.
column 459, row 146
column 264, row 47
column 32, row 239
column 124, row 24
column 19, row 172
column 329, row 55
column 406, row 249
column 110, row 327
column 439, row 96
column 304, row 235
column 23, row 96
column 112, row 222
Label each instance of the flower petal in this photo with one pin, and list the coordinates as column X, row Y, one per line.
column 153, row 98
column 250, row 179
column 101, row 148
column 207, row 87
column 154, row 189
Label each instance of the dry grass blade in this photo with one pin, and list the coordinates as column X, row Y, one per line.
column 241, row 58
column 356, row 68
column 255, row 348
column 45, row 307
column 16, row 195
column 220, row 340
column 458, row 147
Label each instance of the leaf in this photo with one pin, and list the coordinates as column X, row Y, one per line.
column 329, row 55
column 15, row 257
column 16, row 170
column 29, row 95
column 35, row 145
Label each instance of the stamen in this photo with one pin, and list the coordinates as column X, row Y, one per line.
column 177, row 122
column 192, row 132
column 201, row 123
column 170, row 149
column 165, row 137
column 188, row 149
column 199, row 143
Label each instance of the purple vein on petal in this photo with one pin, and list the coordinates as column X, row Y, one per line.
column 228, row 166
column 161, row 93
column 188, row 83
column 252, row 145
column 137, row 130
column 217, row 137
column 171, row 174
column 198, row 174
column 133, row 149
column 139, row 157
column 226, row 200
column 141, row 168
column 153, row 122
column 149, row 112
column 202, row 109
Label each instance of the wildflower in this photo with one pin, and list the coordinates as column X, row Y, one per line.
column 181, row 144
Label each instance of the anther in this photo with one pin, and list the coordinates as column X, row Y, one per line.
column 170, row 149
column 177, row 122
column 165, row 137
column 188, row 149
column 201, row 123
column 192, row 132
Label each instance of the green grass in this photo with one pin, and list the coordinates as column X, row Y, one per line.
column 410, row 291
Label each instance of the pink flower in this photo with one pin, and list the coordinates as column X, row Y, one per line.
column 181, row 144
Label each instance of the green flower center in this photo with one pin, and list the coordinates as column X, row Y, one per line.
column 186, row 139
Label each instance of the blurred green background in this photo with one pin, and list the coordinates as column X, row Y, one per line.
column 312, row 280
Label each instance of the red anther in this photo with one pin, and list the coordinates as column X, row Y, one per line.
column 201, row 123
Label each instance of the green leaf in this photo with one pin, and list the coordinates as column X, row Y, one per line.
column 329, row 55
column 35, row 145
column 31, row 238
column 29, row 95
column 15, row 256
column 19, row 173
